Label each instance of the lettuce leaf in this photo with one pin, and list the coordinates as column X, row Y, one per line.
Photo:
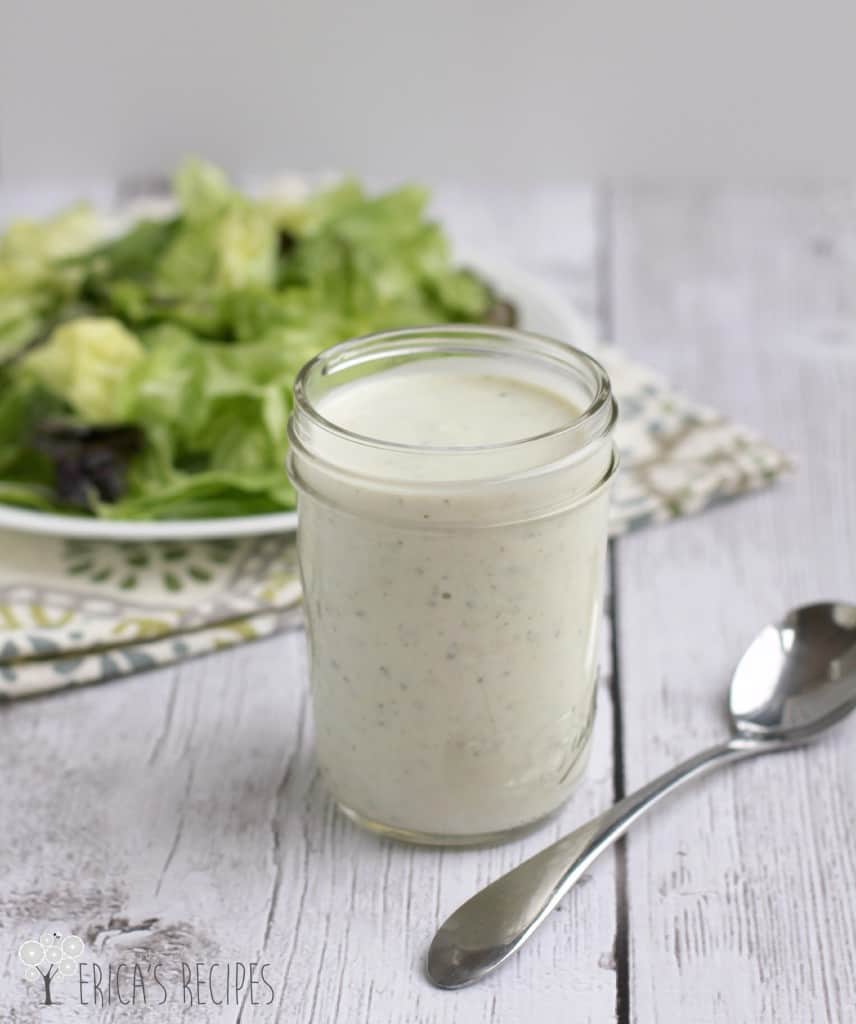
column 30, row 250
column 85, row 362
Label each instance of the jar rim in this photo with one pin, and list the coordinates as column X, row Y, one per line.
column 593, row 422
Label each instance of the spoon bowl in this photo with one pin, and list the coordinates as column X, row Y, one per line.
column 798, row 676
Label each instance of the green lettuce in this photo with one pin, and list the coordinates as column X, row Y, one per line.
column 86, row 362
column 177, row 342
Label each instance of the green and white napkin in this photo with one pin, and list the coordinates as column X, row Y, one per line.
column 677, row 456
column 75, row 612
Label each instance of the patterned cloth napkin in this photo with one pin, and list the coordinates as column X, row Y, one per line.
column 677, row 457
column 75, row 612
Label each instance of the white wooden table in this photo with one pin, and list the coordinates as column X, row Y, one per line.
column 178, row 815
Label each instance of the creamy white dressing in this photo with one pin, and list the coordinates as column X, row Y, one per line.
column 453, row 599
column 448, row 403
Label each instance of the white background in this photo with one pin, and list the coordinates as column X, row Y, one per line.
column 485, row 90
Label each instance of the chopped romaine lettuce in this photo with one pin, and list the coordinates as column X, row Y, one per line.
column 169, row 353
column 85, row 362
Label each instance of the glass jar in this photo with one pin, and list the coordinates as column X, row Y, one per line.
column 452, row 499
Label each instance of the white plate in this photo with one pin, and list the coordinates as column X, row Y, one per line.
column 542, row 310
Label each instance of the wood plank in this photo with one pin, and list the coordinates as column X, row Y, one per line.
column 740, row 890
column 185, row 805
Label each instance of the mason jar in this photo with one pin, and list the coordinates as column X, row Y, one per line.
column 452, row 505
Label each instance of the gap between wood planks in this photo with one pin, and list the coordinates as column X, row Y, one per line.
column 621, row 944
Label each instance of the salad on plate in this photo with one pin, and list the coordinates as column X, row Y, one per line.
column 147, row 374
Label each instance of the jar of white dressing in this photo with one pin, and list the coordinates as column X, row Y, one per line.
column 452, row 499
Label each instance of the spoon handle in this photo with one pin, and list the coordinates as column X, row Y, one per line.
column 495, row 922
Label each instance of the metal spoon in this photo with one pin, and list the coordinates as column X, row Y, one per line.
column 795, row 680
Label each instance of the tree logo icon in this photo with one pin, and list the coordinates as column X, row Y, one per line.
column 49, row 955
